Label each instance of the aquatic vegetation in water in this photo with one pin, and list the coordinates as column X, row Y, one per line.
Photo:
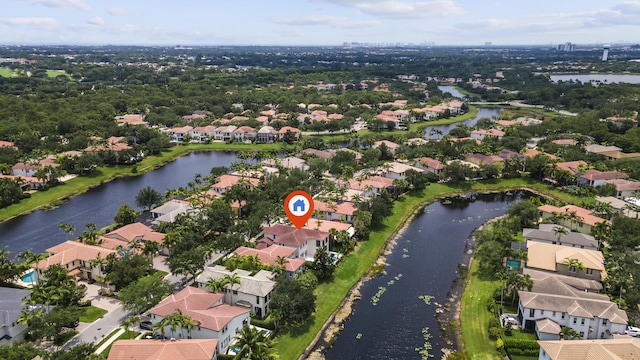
column 381, row 290
column 359, row 336
column 426, row 347
column 426, row 298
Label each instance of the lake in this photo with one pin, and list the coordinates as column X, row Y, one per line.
column 598, row 78
column 39, row 230
column 452, row 90
column 482, row 113
column 424, row 262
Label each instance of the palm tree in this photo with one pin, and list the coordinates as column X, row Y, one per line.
column 67, row 229
column 148, row 197
column 130, row 322
column 173, row 321
column 254, row 345
column 90, row 235
column 568, row 333
column 560, row 231
column 231, row 280
column 574, row 264
column 150, row 248
column 214, row 285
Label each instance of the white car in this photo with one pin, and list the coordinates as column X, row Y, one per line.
column 632, row 331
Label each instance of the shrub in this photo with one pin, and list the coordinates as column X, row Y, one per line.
column 491, row 305
column 494, row 322
column 500, row 345
column 226, row 357
column 266, row 323
column 494, row 333
column 522, row 346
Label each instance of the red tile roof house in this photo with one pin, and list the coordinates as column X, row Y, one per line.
column 76, row 257
column 319, row 153
column 7, row 144
column 430, row 165
column 227, row 181
column 244, row 133
column 598, row 178
column 390, row 145
column 217, row 320
column 131, row 119
column 371, row 186
column 292, row 130
column 268, row 255
column 333, row 212
column 178, row 134
column 114, row 143
column 587, row 218
column 128, row 234
column 183, row 349
column 481, row 134
column 478, row 159
column 624, row 188
column 565, row 142
column 202, row 134
column 304, row 241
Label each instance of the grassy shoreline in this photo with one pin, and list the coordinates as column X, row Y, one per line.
column 81, row 184
column 293, row 343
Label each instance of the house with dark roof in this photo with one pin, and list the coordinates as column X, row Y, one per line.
column 217, row 320
column 547, row 233
column 253, row 292
column 11, row 304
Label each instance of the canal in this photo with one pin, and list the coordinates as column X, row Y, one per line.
column 388, row 321
column 39, row 230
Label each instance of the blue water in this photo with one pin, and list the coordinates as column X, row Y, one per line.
column 29, row 277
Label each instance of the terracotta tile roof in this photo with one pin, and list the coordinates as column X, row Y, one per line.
column 181, row 130
column 565, row 142
column 128, row 233
column 389, row 144
column 489, row 132
column 343, row 208
column 533, row 152
column 593, row 174
column 609, row 349
column 244, row 129
column 70, row 251
column 325, row 225
column 183, row 349
column 204, row 129
column 200, row 305
column 7, row 144
column 318, row 153
column 284, row 130
column 547, row 256
column 376, row 182
column 624, row 185
column 571, row 166
column 289, row 235
column 585, row 214
column 227, row 181
column 620, row 155
column 268, row 256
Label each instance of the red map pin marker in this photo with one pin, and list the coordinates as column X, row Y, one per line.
column 299, row 207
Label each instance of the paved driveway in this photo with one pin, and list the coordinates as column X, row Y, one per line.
column 103, row 302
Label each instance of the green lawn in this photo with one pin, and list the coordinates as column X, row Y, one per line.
column 6, row 72
column 127, row 335
column 54, row 73
column 518, row 334
column 474, row 317
column 91, row 314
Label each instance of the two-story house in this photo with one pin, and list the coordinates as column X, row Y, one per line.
column 182, row 349
column 304, row 241
column 11, row 306
column 178, row 134
column 560, row 235
column 253, row 292
column 341, row 211
column 77, row 258
column 558, row 259
column 269, row 254
column 217, row 320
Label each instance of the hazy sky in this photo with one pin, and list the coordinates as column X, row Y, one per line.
column 318, row 22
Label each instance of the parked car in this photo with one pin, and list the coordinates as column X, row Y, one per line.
column 632, row 331
column 145, row 325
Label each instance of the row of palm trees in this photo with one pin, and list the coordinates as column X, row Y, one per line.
column 175, row 321
column 228, row 281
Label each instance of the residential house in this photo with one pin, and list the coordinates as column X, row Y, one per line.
column 253, row 292
column 305, row 241
column 131, row 119
column 591, row 315
column 620, row 121
column 599, row 149
column 269, row 255
column 290, row 162
column 183, row 349
column 355, row 154
column 24, row 169
column 266, row 134
column 620, row 206
column 370, row 186
column 295, row 132
column 547, row 233
column 225, row 182
column 389, row 121
column 244, row 133
column 11, row 305
column 114, row 143
column 565, row 142
column 553, row 283
column 598, row 178
column 609, row 349
column 482, row 133
column 224, row 133
column 129, row 234
column 202, row 134
column 7, row 144
column 397, row 170
column 168, row 211
column 508, row 154
column 555, row 258
column 217, row 320
column 479, row 159
column 178, row 134
column 430, row 165
column 342, row 211
column 624, row 188
column 574, row 167
column 198, row 114
column 77, row 258
column 319, row 153
column 391, row 146
column 572, row 216
column 617, row 155
column 328, row 225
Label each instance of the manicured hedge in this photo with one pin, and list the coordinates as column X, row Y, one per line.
column 522, row 346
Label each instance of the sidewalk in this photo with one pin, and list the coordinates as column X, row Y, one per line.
column 110, row 341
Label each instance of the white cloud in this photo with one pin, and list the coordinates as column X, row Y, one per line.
column 358, row 24
column 45, row 23
column 403, row 8
column 96, row 21
column 118, row 11
column 79, row 4
column 310, row 20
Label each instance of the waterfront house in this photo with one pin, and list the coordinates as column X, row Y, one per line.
column 77, row 258
column 182, row 349
column 391, row 146
column 202, row 134
column 598, row 178
column 370, row 186
column 547, row 233
column 244, row 133
column 217, row 320
column 225, row 182
column 482, row 133
column 178, row 134
column 269, row 254
column 253, row 292
column 554, row 258
column 341, row 211
column 571, row 216
column 129, row 234
column 168, row 211
column 430, row 165
column 224, row 133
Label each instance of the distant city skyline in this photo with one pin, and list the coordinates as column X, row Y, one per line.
column 319, row 22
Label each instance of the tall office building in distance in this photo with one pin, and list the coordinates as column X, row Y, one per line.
column 605, row 52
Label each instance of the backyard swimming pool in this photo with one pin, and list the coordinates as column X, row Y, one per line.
column 29, row 277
